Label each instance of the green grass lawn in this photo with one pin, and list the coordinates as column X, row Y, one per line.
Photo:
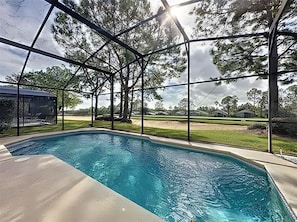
column 243, row 139
column 208, row 119
column 69, row 124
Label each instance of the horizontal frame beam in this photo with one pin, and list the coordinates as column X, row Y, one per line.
column 93, row 26
column 293, row 34
column 41, row 52
column 264, row 34
column 44, row 87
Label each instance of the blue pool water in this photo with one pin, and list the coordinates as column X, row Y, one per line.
column 175, row 184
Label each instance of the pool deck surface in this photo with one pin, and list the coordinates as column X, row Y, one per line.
column 44, row 188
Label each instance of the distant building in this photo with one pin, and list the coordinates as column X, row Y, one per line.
column 220, row 113
column 36, row 107
column 181, row 113
column 245, row 114
column 161, row 113
column 200, row 113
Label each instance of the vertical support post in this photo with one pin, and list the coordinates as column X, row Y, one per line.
column 272, row 68
column 189, row 90
column 92, row 109
column 56, row 109
column 63, row 114
column 111, row 101
column 142, row 96
column 271, row 45
column 23, row 111
column 18, row 109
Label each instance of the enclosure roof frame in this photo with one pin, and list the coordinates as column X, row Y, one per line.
column 93, row 26
column 111, row 38
column 24, row 92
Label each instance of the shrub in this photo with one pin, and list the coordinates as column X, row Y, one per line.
column 257, row 126
column 6, row 114
column 285, row 126
column 80, row 112
column 107, row 117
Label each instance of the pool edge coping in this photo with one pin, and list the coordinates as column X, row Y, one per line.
column 249, row 156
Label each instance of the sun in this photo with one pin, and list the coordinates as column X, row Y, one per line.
column 175, row 11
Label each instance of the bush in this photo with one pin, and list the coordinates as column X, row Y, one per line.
column 257, row 126
column 283, row 113
column 80, row 112
column 6, row 114
column 285, row 126
column 107, row 117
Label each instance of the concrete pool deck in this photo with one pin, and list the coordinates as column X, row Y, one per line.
column 44, row 188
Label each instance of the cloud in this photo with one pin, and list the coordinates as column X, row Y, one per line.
column 205, row 94
column 12, row 60
column 20, row 19
column 19, row 22
column 201, row 66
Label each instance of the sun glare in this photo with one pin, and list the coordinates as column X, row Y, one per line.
column 175, row 11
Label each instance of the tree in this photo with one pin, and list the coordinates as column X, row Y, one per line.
column 263, row 103
column 7, row 113
column 159, row 106
column 183, row 105
column 145, row 109
column 234, row 103
column 207, row 109
column 115, row 15
column 229, row 104
column 254, row 95
column 247, row 106
column 241, row 56
column 53, row 76
column 103, row 110
column 137, row 105
column 291, row 98
column 94, row 81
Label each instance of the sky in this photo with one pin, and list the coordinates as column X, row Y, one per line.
column 20, row 20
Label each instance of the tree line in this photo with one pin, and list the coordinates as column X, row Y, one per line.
column 257, row 103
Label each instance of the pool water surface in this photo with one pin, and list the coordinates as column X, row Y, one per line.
column 175, row 184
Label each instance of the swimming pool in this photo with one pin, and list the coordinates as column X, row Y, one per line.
column 175, row 184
